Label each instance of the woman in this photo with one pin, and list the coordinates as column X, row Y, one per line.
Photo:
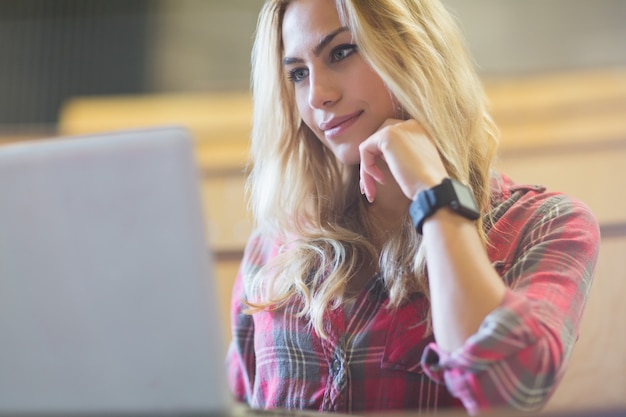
column 391, row 268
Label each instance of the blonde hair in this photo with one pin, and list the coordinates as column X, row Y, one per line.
column 301, row 195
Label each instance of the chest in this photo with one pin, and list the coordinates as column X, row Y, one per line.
column 369, row 357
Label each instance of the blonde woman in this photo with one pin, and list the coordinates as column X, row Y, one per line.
column 390, row 267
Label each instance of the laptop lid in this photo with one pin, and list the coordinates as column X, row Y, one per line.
column 106, row 293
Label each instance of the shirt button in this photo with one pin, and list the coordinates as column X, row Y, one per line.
column 435, row 367
column 336, row 365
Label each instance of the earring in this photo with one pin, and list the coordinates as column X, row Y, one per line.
column 401, row 114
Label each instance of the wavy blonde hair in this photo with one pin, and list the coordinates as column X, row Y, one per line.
column 301, row 195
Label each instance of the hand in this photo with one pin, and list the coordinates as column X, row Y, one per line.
column 410, row 154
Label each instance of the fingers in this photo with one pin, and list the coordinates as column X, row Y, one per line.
column 370, row 172
column 409, row 155
column 368, row 186
column 372, row 152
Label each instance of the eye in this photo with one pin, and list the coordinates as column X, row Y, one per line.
column 297, row 74
column 341, row 52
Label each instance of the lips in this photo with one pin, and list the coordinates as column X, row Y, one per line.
column 336, row 125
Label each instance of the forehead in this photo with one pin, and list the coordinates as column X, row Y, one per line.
column 306, row 22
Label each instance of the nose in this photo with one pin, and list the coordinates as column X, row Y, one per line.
column 324, row 89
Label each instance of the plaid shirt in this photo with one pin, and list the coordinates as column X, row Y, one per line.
column 543, row 245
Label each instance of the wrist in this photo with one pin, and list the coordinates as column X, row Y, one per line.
column 449, row 193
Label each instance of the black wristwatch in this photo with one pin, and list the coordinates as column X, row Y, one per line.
column 450, row 193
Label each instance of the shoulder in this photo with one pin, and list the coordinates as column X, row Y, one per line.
column 530, row 205
column 260, row 248
column 528, row 215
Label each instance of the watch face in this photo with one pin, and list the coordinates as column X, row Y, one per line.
column 449, row 193
column 465, row 196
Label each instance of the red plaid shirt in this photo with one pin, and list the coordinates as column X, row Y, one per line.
column 544, row 245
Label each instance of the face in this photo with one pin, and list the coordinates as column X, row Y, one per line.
column 339, row 97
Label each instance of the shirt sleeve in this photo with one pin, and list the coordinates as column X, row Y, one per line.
column 520, row 352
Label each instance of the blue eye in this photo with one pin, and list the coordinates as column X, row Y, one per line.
column 297, row 74
column 342, row 52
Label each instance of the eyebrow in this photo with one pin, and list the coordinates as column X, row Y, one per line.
column 320, row 46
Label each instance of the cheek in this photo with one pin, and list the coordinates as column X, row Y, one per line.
column 372, row 89
column 305, row 112
column 381, row 98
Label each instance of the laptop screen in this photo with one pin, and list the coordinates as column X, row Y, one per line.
column 106, row 292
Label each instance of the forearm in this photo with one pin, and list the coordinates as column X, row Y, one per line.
column 514, row 360
column 464, row 286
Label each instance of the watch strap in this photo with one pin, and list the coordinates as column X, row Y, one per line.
column 429, row 201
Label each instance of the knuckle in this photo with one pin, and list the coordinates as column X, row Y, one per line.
column 385, row 143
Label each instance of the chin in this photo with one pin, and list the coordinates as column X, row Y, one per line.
column 345, row 153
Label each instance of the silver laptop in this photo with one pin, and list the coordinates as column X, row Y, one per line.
column 106, row 295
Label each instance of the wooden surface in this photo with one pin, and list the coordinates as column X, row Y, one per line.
column 552, row 111
column 219, row 123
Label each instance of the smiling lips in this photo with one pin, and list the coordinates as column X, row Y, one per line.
column 338, row 125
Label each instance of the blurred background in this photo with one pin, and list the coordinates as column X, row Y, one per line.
column 555, row 72
column 53, row 50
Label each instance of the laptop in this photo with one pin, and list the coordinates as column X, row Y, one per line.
column 107, row 303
